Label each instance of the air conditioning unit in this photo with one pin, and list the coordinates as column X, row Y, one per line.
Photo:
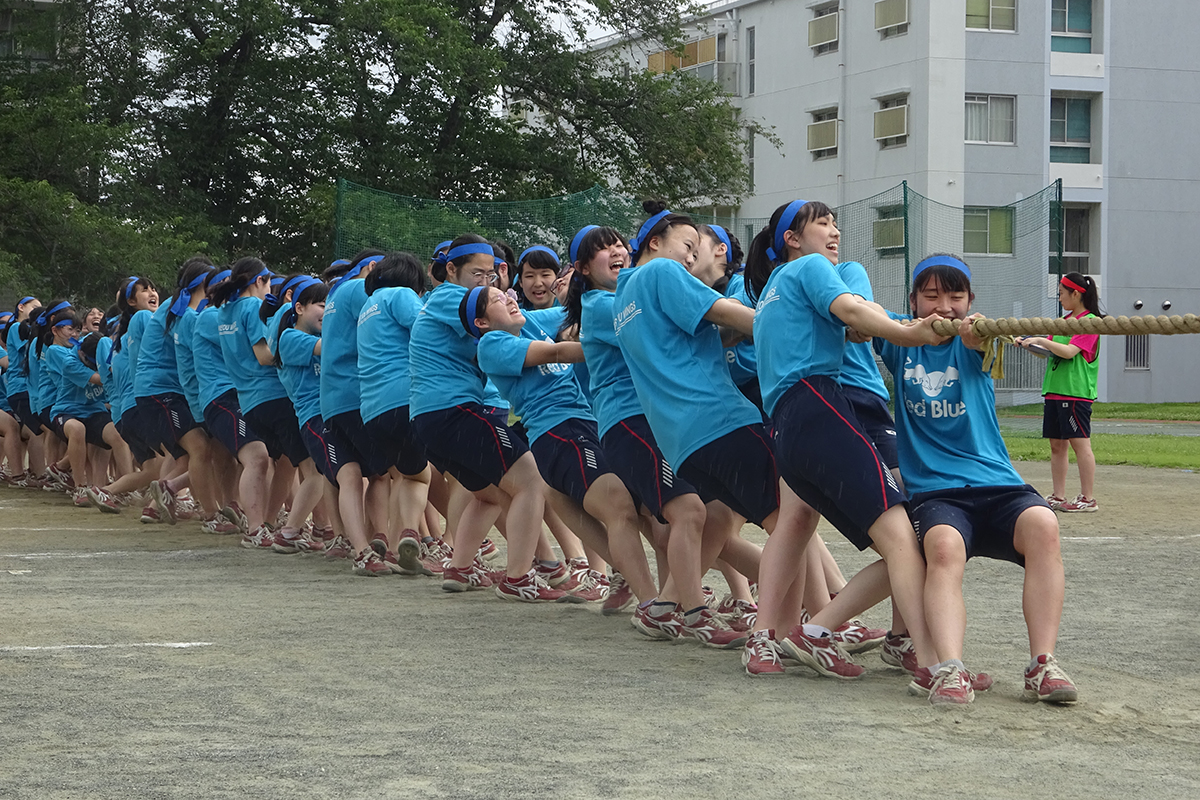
column 888, row 234
column 891, row 122
column 823, row 30
column 890, row 13
column 823, row 135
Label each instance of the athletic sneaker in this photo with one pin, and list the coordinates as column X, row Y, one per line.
column 164, row 500
column 620, row 595
column 326, row 535
column 218, row 525
column 393, row 561
column 529, row 588
column 338, row 548
column 951, row 686
column 379, row 544
column 1047, row 682
column 103, row 500
column 283, row 543
column 822, row 654
column 1055, row 501
column 589, row 588
column 263, row 538
column 369, row 564
column 552, row 576
column 149, row 514
column 711, row 630
column 233, row 512
column 187, row 508
column 465, row 580
column 488, row 550
column 710, row 597
column 740, row 614
column 760, row 657
column 60, row 478
column 80, row 498
column 859, row 639
column 922, row 682
column 408, row 552
column 665, row 627
column 898, row 651
column 1079, row 504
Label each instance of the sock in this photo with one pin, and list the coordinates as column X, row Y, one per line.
column 816, row 631
column 694, row 614
column 647, row 603
column 660, row 608
column 547, row 564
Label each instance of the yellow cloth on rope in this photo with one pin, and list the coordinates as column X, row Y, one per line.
column 993, row 354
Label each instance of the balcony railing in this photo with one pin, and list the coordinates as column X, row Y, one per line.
column 725, row 73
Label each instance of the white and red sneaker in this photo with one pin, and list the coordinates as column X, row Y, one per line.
column 589, row 588
column 922, row 682
column 1047, row 682
column 164, row 501
column 218, row 525
column 951, row 686
column 711, row 630
column 740, row 614
column 858, row 638
column 338, row 548
column 465, row 580
column 620, row 595
column 233, row 512
column 552, row 576
column 529, row 588
column 1079, row 504
column 488, row 550
column 760, row 657
column 1055, row 502
column 665, row 627
column 103, row 500
column 822, row 654
column 408, row 552
column 263, row 538
column 898, row 651
column 149, row 514
column 80, row 498
column 287, row 541
column 368, row 564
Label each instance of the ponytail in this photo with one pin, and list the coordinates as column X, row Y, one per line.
column 661, row 220
column 244, row 272
column 1090, row 293
column 768, row 249
column 589, row 241
column 309, row 290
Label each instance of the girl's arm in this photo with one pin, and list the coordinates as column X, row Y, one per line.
column 317, row 349
column 864, row 317
column 1057, row 348
column 95, row 379
column 732, row 314
column 553, row 353
column 263, row 353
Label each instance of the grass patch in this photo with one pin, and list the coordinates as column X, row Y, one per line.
column 1156, row 450
column 1186, row 412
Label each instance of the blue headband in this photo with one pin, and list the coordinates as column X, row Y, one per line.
column 723, row 235
column 293, row 283
column 353, row 272
column 578, row 240
column 470, row 250
column 941, row 261
column 472, row 308
column 25, row 300
column 538, row 248
column 265, row 273
column 442, row 246
column 644, row 231
column 301, row 285
column 7, row 315
column 63, row 322
column 220, row 276
column 44, row 317
column 184, row 299
column 134, row 280
column 776, row 253
column 341, row 262
column 78, row 345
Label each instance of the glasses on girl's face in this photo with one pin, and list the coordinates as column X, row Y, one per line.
column 488, row 277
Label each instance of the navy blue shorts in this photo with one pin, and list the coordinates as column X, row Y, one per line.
column 312, row 431
column 476, row 448
column 275, row 423
column 225, row 423
column 985, row 516
column 164, row 419
column 24, row 414
column 393, row 440
column 872, row 413
column 829, row 460
column 127, row 427
column 351, row 444
column 93, row 427
column 634, row 456
column 518, row 428
column 49, row 424
column 1067, row 419
column 570, row 458
column 752, row 391
column 737, row 469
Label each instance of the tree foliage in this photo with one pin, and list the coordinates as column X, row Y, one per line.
column 223, row 125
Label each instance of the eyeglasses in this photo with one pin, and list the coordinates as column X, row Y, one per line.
column 489, row 277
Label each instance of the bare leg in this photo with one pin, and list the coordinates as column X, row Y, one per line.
column 1058, row 466
column 1085, row 459
column 1036, row 538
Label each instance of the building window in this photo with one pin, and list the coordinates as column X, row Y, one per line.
column 750, row 159
column 823, row 30
column 823, row 134
column 1137, row 352
column 887, row 233
column 1075, row 240
column 750, row 61
column 1071, row 26
column 988, row 231
column 891, row 17
column 991, row 119
column 891, row 122
column 1070, row 130
column 992, row 15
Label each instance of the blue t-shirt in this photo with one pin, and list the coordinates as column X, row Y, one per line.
column 184, row 332
column 676, row 359
column 795, row 333
column 441, row 356
column 133, row 341
column 384, row 329
column 858, row 361
column 742, row 366
column 240, row 329
column 211, row 374
column 77, row 396
column 104, row 354
column 613, row 395
column 339, row 351
column 947, row 432
column 542, row 396
column 301, row 372
column 15, row 375
column 43, row 378
column 156, row 371
column 121, row 395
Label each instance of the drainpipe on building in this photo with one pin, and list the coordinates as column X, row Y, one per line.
column 843, row 115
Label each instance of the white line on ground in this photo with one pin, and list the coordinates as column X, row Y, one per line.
column 20, row 528
column 101, row 554
column 169, row 645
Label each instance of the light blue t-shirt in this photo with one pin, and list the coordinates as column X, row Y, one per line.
column 384, row 329
column 104, row 354
column 77, row 396
column 858, row 361
column 211, row 374
column 339, row 351
column 947, row 432
column 157, row 372
column 795, row 333
column 15, row 375
column 121, row 396
column 613, row 396
column 47, row 389
column 301, row 372
column 543, row 396
column 133, row 341
column 240, row 329
column 742, row 366
column 441, row 356
column 676, row 359
column 183, row 332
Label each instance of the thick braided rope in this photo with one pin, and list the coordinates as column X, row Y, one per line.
column 1060, row 326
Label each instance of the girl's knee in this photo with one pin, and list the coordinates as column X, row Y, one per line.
column 945, row 548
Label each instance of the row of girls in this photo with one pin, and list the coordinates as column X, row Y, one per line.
column 364, row 403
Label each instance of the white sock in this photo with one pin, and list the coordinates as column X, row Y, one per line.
column 816, row 631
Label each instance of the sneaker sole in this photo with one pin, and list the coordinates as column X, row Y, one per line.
column 943, row 701
column 1079, row 510
column 1062, row 696
column 806, row 659
column 103, row 508
column 653, row 633
column 735, row 644
column 164, row 511
column 610, row 611
column 408, row 556
column 862, row 647
column 455, row 587
column 519, row 599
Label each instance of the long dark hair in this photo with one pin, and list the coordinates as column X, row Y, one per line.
column 244, row 272
column 312, row 293
column 125, row 292
column 278, row 295
column 397, row 269
column 41, row 328
column 652, row 207
column 195, row 267
column 87, row 348
column 593, row 242
column 759, row 264
column 733, row 259
column 1091, row 297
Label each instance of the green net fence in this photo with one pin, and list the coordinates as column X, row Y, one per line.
column 1013, row 250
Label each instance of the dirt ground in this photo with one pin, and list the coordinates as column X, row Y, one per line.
column 288, row 677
